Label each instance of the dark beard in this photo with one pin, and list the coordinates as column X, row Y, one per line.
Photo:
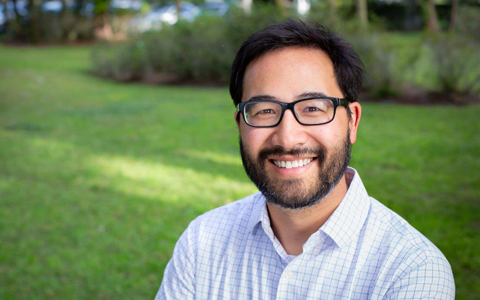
column 296, row 193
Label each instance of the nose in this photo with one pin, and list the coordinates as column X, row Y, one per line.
column 289, row 133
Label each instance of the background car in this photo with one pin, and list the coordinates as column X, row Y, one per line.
column 156, row 18
column 55, row 6
column 3, row 19
column 129, row 5
column 215, row 8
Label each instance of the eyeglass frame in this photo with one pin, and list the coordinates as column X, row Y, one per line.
column 336, row 103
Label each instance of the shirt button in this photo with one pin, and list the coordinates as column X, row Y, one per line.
column 288, row 274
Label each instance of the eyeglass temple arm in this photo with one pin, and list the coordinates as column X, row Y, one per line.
column 343, row 101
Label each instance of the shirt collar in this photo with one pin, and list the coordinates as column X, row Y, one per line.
column 258, row 212
column 347, row 220
column 343, row 225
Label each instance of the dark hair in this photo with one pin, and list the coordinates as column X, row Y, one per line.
column 346, row 63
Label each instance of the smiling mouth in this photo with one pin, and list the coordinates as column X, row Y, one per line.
column 291, row 164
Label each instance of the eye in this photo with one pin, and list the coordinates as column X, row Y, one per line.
column 312, row 109
column 313, row 106
column 265, row 111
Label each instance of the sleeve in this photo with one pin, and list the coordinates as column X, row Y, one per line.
column 179, row 276
column 432, row 279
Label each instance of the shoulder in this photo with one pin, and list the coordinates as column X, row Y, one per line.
column 236, row 210
column 229, row 219
column 217, row 230
column 407, row 254
column 397, row 232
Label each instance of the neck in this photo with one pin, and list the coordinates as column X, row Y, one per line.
column 294, row 227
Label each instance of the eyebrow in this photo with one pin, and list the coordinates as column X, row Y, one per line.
column 311, row 95
column 262, row 97
column 301, row 96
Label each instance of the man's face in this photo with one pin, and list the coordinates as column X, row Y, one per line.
column 295, row 166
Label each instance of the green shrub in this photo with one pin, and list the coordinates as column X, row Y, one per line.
column 239, row 26
column 379, row 65
column 198, row 52
column 204, row 55
column 122, row 61
column 202, row 52
column 468, row 23
column 161, row 50
column 456, row 67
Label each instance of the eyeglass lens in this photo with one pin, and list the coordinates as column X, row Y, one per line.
column 311, row 112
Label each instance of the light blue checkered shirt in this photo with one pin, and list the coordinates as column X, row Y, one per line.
column 363, row 251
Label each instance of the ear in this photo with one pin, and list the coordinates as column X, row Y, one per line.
column 236, row 116
column 356, row 110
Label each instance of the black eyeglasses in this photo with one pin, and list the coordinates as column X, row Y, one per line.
column 309, row 111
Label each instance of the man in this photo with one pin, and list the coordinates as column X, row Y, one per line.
column 312, row 232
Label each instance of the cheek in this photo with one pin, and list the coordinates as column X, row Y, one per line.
column 254, row 139
column 323, row 134
column 328, row 135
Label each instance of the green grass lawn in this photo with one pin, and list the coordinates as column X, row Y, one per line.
column 98, row 179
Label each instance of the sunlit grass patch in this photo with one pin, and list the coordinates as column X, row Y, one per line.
column 167, row 183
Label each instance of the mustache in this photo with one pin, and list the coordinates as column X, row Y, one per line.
column 319, row 151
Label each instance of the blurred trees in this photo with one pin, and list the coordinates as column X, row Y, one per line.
column 333, row 10
column 72, row 22
column 431, row 16
column 37, row 21
column 362, row 13
column 178, row 5
column 453, row 15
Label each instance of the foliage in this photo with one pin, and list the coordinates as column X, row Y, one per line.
column 64, row 27
column 379, row 65
column 239, row 26
column 121, row 61
column 468, row 23
column 99, row 179
column 101, row 6
column 197, row 56
column 201, row 51
column 456, row 66
column 50, row 27
column 76, row 21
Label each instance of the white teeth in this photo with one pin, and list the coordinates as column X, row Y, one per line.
column 292, row 164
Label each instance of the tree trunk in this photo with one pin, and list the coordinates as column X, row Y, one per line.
column 78, row 7
column 453, row 15
column 178, row 5
column 17, row 28
column 61, row 16
column 33, row 31
column 362, row 13
column 432, row 18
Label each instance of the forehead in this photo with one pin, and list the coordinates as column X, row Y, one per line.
column 289, row 72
